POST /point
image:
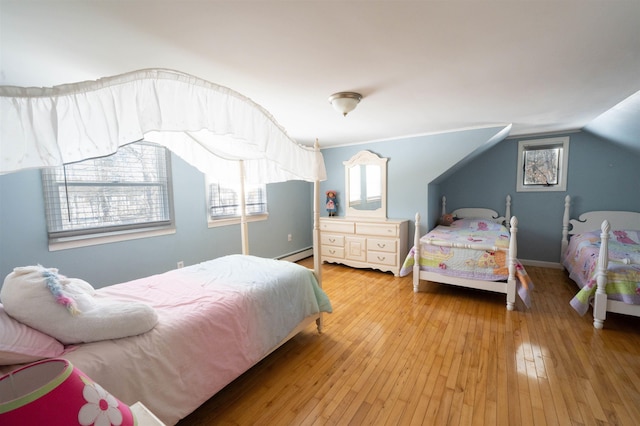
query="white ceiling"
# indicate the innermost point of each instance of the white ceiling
(423, 67)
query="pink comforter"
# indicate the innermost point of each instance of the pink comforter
(216, 320)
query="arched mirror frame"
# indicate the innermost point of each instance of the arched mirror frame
(366, 158)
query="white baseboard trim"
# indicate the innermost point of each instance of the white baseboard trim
(542, 264)
(299, 255)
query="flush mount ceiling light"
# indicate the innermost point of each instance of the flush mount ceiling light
(345, 102)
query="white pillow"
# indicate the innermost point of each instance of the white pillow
(68, 309)
(20, 343)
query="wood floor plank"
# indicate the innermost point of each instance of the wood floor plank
(443, 356)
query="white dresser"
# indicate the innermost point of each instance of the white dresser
(364, 242)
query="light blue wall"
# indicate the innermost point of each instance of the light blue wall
(602, 176)
(23, 235)
(412, 163)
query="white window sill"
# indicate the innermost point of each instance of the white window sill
(106, 238)
(236, 220)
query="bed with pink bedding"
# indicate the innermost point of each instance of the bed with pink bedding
(601, 252)
(477, 250)
(216, 319)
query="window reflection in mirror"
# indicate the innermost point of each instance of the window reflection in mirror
(366, 185)
(354, 186)
(365, 193)
(373, 186)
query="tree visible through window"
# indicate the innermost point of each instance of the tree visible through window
(128, 190)
(224, 200)
(542, 164)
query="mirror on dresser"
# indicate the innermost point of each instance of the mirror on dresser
(365, 237)
(366, 185)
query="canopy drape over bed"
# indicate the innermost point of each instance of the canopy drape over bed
(209, 126)
(219, 131)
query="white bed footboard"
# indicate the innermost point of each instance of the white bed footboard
(600, 301)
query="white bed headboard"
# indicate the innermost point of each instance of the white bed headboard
(592, 221)
(481, 213)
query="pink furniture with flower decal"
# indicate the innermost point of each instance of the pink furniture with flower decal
(55, 393)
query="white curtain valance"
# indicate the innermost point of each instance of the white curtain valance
(209, 126)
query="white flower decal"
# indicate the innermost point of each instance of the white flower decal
(101, 408)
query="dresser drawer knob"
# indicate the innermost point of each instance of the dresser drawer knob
(382, 245)
(332, 240)
(381, 258)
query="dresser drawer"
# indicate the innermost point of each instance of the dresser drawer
(332, 240)
(381, 258)
(332, 251)
(381, 229)
(382, 244)
(337, 226)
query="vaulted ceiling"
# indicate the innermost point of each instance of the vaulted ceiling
(423, 67)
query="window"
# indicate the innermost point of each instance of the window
(124, 193)
(542, 164)
(224, 202)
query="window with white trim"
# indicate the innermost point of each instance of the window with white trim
(542, 164)
(124, 193)
(224, 202)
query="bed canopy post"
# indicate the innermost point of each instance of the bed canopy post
(507, 211)
(600, 301)
(416, 253)
(244, 228)
(317, 259)
(444, 205)
(513, 254)
(565, 226)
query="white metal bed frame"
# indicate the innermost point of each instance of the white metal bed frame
(605, 220)
(508, 287)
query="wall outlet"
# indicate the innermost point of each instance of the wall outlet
(289, 237)
(180, 264)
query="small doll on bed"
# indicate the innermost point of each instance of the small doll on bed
(332, 203)
(447, 219)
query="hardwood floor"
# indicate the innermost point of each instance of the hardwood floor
(444, 356)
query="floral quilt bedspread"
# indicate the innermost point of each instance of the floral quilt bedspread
(488, 263)
(623, 281)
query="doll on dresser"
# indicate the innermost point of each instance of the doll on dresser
(332, 203)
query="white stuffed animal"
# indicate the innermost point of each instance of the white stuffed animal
(68, 309)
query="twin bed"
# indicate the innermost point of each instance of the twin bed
(476, 250)
(602, 256)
